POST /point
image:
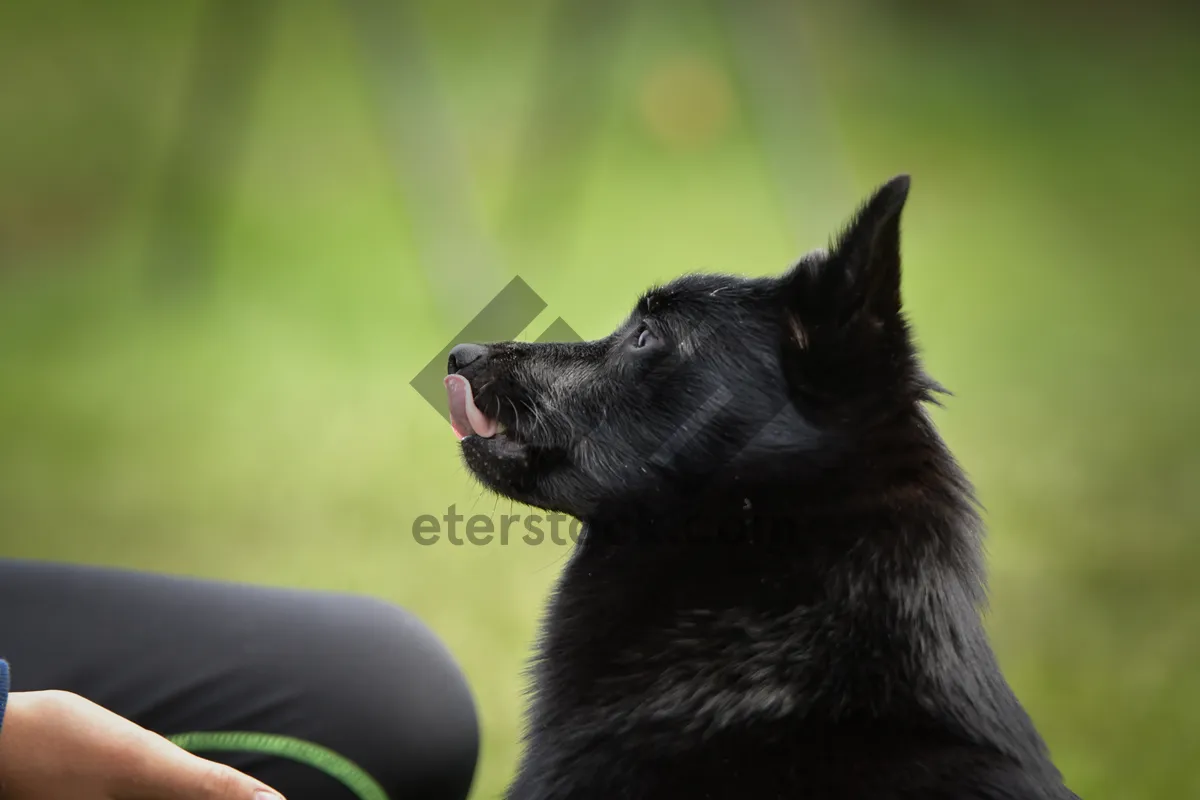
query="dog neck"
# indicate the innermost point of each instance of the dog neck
(816, 607)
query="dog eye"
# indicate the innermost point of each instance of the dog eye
(645, 337)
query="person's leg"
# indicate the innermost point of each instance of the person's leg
(336, 690)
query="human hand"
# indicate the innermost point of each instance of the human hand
(58, 746)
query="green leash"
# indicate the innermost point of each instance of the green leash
(338, 767)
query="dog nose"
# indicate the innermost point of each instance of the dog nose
(463, 355)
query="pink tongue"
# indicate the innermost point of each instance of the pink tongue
(465, 417)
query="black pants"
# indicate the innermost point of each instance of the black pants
(326, 696)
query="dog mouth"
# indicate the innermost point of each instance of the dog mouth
(503, 459)
(466, 418)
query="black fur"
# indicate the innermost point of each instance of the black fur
(777, 592)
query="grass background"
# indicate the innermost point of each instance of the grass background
(253, 421)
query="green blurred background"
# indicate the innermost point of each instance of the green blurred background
(232, 232)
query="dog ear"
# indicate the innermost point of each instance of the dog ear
(868, 252)
(858, 278)
(861, 271)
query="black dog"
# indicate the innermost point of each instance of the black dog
(777, 590)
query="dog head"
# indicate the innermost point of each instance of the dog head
(713, 381)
